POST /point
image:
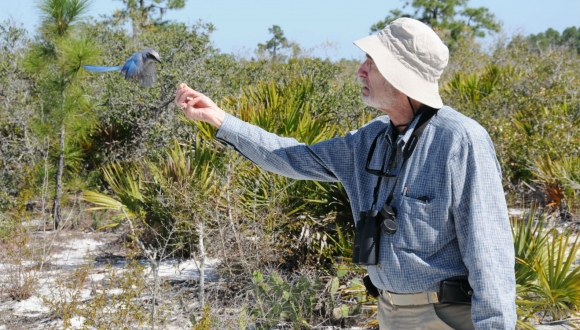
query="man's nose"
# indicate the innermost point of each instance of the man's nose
(362, 71)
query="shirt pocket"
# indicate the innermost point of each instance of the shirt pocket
(423, 225)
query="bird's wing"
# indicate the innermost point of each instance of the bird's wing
(148, 75)
(96, 68)
(133, 66)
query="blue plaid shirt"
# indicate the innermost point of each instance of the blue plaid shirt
(451, 210)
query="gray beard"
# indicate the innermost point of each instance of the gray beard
(377, 104)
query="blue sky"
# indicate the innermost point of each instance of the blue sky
(242, 24)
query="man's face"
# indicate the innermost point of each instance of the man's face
(376, 92)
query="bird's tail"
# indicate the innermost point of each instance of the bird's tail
(96, 68)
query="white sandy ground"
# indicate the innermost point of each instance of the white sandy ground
(72, 254)
(75, 252)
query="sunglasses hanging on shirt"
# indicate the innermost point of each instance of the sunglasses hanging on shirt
(367, 235)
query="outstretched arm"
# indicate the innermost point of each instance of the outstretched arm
(281, 155)
(197, 106)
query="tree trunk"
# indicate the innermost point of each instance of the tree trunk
(56, 209)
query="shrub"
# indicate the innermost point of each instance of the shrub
(547, 279)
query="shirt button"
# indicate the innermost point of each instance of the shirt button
(380, 266)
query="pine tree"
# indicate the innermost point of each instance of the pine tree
(54, 62)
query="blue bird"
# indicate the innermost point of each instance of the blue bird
(139, 67)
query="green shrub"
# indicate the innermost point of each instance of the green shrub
(281, 302)
(166, 196)
(548, 282)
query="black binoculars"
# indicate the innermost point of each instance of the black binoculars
(368, 234)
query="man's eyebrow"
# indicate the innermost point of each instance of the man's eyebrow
(369, 57)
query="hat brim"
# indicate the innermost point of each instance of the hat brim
(397, 74)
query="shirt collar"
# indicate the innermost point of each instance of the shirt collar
(402, 139)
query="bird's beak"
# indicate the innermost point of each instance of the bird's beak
(158, 60)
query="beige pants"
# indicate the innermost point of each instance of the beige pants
(428, 317)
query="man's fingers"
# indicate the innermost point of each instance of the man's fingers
(188, 102)
(189, 95)
(192, 100)
(179, 99)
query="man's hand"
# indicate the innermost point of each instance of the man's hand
(197, 106)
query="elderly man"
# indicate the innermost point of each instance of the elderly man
(433, 229)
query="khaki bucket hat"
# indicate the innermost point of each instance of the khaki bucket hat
(411, 57)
